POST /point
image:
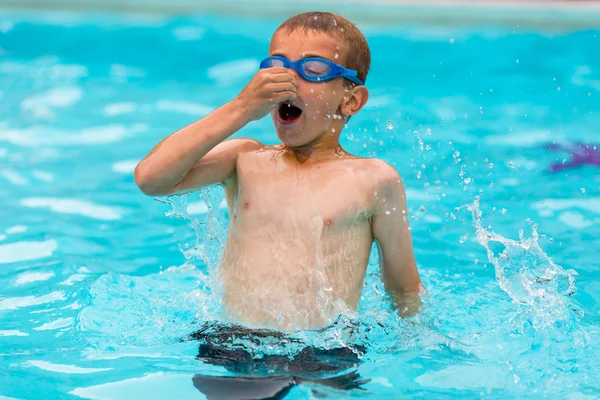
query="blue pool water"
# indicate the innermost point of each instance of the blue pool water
(98, 285)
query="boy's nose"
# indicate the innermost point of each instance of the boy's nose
(295, 74)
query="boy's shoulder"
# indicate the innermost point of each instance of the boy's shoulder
(376, 168)
(371, 175)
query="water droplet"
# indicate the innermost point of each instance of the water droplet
(387, 212)
(422, 209)
(504, 211)
(517, 60)
(451, 40)
(476, 261)
(336, 56)
(582, 190)
(464, 238)
(389, 127)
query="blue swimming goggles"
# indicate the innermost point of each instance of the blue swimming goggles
(313, 69)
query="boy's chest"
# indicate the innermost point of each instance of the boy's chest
(271, 194)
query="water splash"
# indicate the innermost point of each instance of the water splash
(539, 334)
(130, 313)
(209, 232)
(139, 313)
(526, 273)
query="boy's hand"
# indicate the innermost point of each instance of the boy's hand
(267, 88)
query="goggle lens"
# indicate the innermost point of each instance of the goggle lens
(315, 68)
(275, 63)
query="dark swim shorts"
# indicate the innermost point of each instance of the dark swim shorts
(270, 376)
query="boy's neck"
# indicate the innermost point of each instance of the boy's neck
(324, 147)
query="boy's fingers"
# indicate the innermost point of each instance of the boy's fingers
(283, 86)
(276, 69)
(285, 76)
(283, 96)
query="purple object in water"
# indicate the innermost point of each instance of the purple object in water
(581, 154)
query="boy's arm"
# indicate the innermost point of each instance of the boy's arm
(194, 156)
(391, 230)
(198, 154)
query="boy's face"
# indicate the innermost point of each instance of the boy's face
(319, 101)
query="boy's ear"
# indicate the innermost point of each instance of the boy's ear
(355, 99)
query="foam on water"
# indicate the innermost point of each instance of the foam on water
(184, 107)
(185, 33)
(43, 176)
(44, 69)
(550, 205)
(116, 109)
(62, 368)
(26, 250)
(13, 303)
(47, 136)
(42, 104)
(125, 166)
(75, 206)
(16, 229)
(576, 220)
(14, 177)
(29, 277)
(57, 324)
(13, 333)
(123, 73)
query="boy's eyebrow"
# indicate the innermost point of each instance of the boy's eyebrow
(305, 55)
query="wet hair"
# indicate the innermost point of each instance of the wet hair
(358, 56)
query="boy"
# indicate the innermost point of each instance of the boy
(303, 214)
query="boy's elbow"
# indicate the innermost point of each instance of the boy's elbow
(147, 182)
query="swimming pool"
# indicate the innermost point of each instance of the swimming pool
(98, 286)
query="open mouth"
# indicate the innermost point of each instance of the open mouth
(288, 113)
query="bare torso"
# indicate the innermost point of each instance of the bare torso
(299, 239)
